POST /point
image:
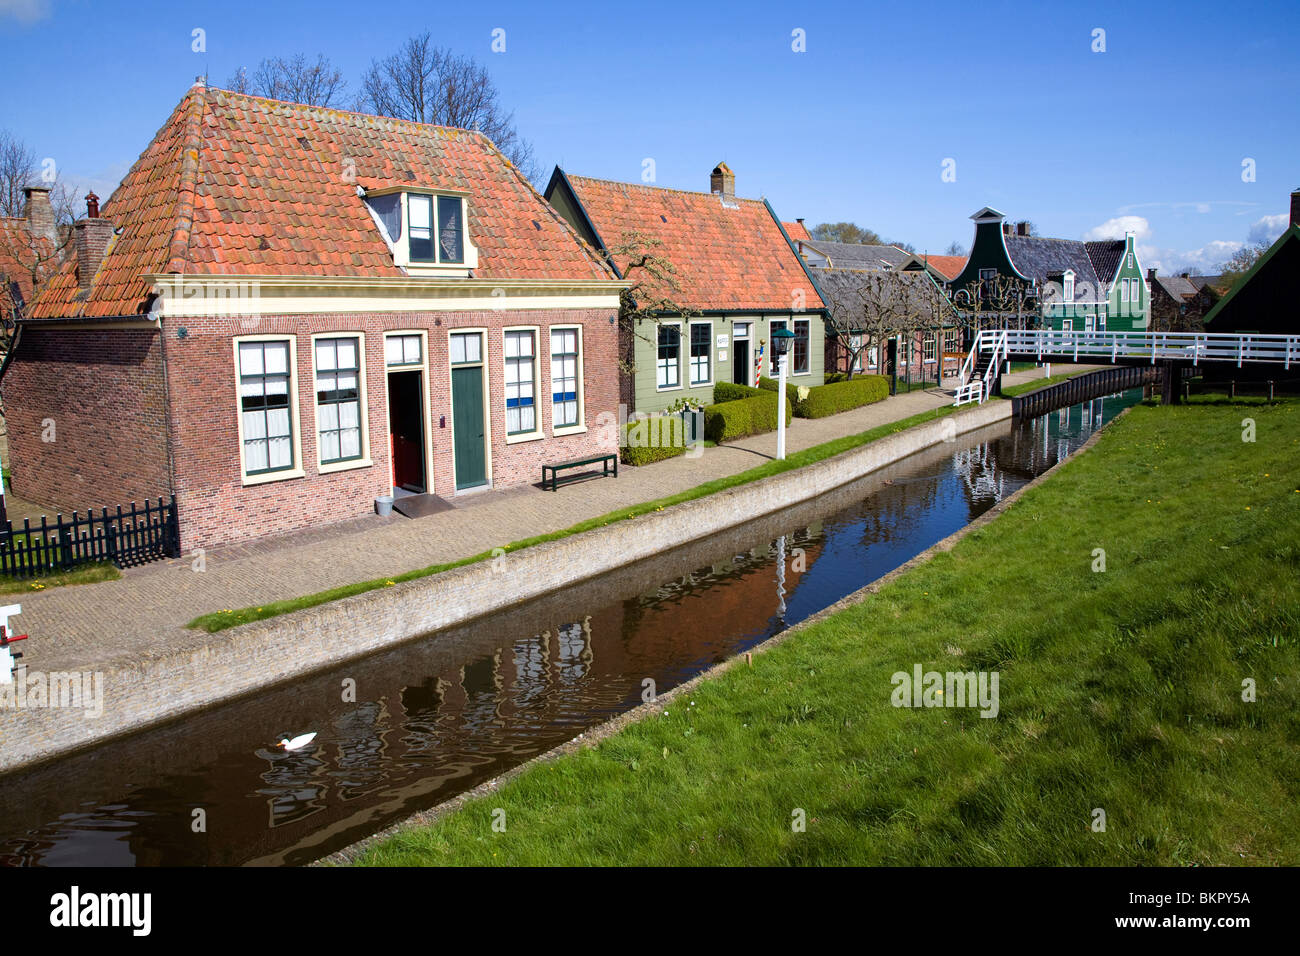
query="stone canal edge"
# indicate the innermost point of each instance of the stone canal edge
(595, 735)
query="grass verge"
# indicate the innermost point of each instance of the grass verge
(220, 620)
(1121, 690)
(1011, 391)
(88, 574)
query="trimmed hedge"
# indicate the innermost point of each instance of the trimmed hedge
(742, 417)
(839, 397)
(652, 439)
(730, 392)
(771, 385)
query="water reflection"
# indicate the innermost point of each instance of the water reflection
(437, 716)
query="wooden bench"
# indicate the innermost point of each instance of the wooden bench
(603, 460)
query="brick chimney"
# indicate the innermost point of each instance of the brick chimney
(1151, 275)
(1295, 208)
(1006, 229)
(1022, 228)
(92, 235)
(723, 181)
(39, 213)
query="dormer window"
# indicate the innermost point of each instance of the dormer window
(441, 241)
(1069, 287)
(425, 231)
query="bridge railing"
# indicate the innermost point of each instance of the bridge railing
(1192, 347)
(1082, 388)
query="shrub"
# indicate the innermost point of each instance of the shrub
(771, 384)
(729, 392)
(742, 417)
(652, 439)
(839, 397)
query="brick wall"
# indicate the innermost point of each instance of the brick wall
(99, 394)
(217, 507)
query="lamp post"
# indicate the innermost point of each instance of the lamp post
(781, 340)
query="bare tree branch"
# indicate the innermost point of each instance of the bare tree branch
(293, 79)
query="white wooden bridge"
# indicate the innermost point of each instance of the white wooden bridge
(995, 347)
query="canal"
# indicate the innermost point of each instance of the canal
(405, 729)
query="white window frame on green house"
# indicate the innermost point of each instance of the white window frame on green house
(558, 398)
(693, 360)
(522, 390)
(331, 421)
(807, 354)
(1067, 325)
(661, 365)
(1067, 283)
(772, 326)
(251, 380)
(1123, 291)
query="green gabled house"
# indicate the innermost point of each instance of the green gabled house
(1072, 285)
(738, 279)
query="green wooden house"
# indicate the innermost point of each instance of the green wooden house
(1073, 285)
(738, 279)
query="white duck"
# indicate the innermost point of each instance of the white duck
(297, 743)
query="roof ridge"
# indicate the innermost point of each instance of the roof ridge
(325, 110)
(662, 189)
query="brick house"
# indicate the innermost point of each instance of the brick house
(287, 311)
(1180, 303)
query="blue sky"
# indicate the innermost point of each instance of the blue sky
(1150, 134)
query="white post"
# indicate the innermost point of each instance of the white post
(6, 656)
(780, 409)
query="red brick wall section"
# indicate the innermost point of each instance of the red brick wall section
(103, 392)
(217, 507)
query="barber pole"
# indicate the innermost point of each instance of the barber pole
(7, 657)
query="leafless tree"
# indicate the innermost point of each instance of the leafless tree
(1002, 302)
(869, 307)
(294, 79)
(431, 84)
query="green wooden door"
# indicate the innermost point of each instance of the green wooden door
(467, 425)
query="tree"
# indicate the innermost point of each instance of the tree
(869, 307)
(651, 296)
(846, 232)
(1242, 261)
(431, 84)
(955, 249)
(905, 246)
(27, 259)
(1000, 302)
(293, 79)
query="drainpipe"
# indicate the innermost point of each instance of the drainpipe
(167, 414)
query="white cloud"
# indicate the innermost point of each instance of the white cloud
(1203, 261)
(1119, 226)
(1267, 228)
(25, 11)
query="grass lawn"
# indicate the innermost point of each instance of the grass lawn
(231, 617)
(1119, 689)
(87, 574)
(1011, 391)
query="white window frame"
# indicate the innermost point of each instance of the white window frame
(1067, 283)
(659, 328)
(929, 347)
(793, 325)
(426, 405)
(771, 344)
(690, 358)
(1067, 325)
(362, 411)
(536, 431)
(295, 425)
(1123, 291)
(433, 199)
(581, 426)
(856, 352)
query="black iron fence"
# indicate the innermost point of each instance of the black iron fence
(124, 537)
(1083, 388)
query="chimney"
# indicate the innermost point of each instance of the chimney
(723, 181)
(1151, 275)
(1295, 208)
(39, 213)
(1022, 228)
(1006, 229)
(1187, 275)
(92, 235)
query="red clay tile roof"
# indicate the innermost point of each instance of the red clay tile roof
(796, 231)
(240, 185)
(950, 266)
(729, 259)
(23, 255)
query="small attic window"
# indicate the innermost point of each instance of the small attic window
(663, 217)
(442, 241)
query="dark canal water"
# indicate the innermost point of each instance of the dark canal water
(439, 715)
